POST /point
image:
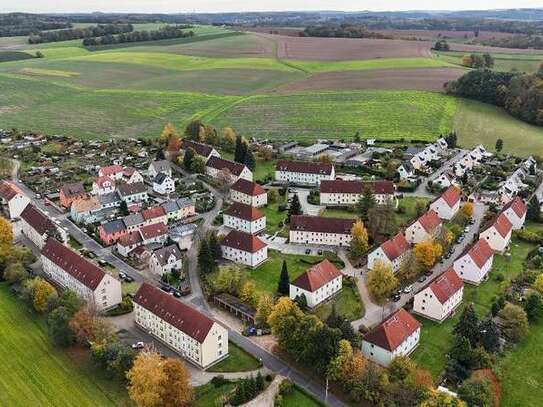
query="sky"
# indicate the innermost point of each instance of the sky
(185, 6)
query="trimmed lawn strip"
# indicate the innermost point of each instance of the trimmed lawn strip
(299, 398)
(207, 395)
(348, 304)
(237, 361)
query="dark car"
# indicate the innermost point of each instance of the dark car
(422, 279)
(307, 251)
(396, 297)
(129, 279)
(165, 288)
(177, 293)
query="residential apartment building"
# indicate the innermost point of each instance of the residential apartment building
(249, 193)
(348, 193)
(13, 199)
(244, 248)
(318, 284)
(37, 227)
(217, 165)
(163, 184)
(245, 218)
(475, 263)
(133, 193)
(393, 252)
(427, 227)
(447, 205)
(319, 230)
(201, 149)
(166, 259)
(303, 172)
(498, 234)
(515, 211)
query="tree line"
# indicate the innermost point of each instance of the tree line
(342, 31)
(163, 33)
(516, 41)
(521, 95)
(16, 24)
(78, 33)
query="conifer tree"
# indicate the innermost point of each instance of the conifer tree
(284, 280)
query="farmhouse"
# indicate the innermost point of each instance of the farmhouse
(320, 231)
(440, 297)
(498, 234)
(448, 204)
(187, 331)
(157, 167)
(393, 252)
(68, 269)
(398, 335)
(201, 149)
(347, 193)
(70, 193)
(103, 185)
(132, 193)
(317, 284)
(474, 264)
(215, 165)
(303, 172)
(166, 259)
(244, 248)
(112, 231)
(245, 218)
(37, 227)
(424, 228)
(13, 199)
(163, 184)
(115, 172)
(515, 211)
(249, 193)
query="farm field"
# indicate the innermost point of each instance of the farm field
(35, 373)
(502, 62)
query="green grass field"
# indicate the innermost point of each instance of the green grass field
(208, 395)
(299, 398)
(502, 62)
(348, 304)
(237, 361)
(34, 373)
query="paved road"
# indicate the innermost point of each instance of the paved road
(303, 194)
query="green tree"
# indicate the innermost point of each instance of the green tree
(58, 327)
(489, 335)
(249, 160)
(366, 202)
(295, 207)
(410, 268)
(15, 273)
(240, 150)
(214, 246)
(382, 221)
(499, 145)
(533, 306)
(263, 310)
(123, 208)
(206, 263)
(468, 325)
(533, 211)
(283, 286)
(381, 281)
(198, 165)
(476, 392)
(514, 322)
(188, 157)
(401, 368)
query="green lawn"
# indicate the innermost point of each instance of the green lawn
(237, 361)
(264, 169)
(338, 213)
(502, 62)
(362, 65)
(409, 203)
(348, 304)
(299, 398)
(207, 395)
(35, 373)
(274, 217)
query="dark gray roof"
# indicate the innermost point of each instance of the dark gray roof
(184, 202)
(170, 206)
(133, 219)
(131, 189)
(164, 253)
(109, 198)
(160, 178)
(114, 226)
(161, 165)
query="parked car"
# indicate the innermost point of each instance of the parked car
(396, 297)
(320, 252)
(165, 288)
(176, 293)
(138, 345)
(466, 229)
(408, 289)
(129, 279)
(460, 239)
(307, 251)
(422, 279)
(122, 275)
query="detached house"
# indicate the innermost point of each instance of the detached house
(129, 242)
(249, 193)
(201, 149)
(13, 199)
(114, 172)
(163, 184)
(406, 171)
(134, 221)
(112, 231)
(498, 234)
(103, 185)
(475, 263)
(191, 334)
(320, 230)
(37, 227)
(303, 172)
(440, 297)
(515, 211)
(393, 252)
(132, 176)
(347, 193)
(166, 259)
(157, 167)
(448, 204)
(216, 165)
(70, 193)
(133, 193)
(398, 335)
(244, 248)
(317, 284)
(245, 218)
(424, 228)
(68, 269)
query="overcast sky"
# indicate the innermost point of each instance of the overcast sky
(181, 6)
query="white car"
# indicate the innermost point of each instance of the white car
(408, 289)
(138, 345)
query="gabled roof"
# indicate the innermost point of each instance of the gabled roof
(110, 170)
(243, 211)
(110, 198)
(100, 181)
(161, 178)
(73, 189)
(37, 220)
(8, 190)
(174, 312)
(304, 223)
(84, 205)
(429, 221)
(356, 187)
(130, 239)
(114, 226)
(446, 285)
(305, 167)
(129, 171)
(133, 219)
(243, 241)
(220, 164)
(502, 225)
(248, 187)
(199, 148)
(72, 263)
(152, 213)
(126, 189)
(517, 205)
(394, 331)
(161, 166)
(184, 202)
(480, 252)
(395, 247)
(451, 196)
(154, 230)
(317, 276)
(163, 254)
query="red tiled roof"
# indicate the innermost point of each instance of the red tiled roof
(305, 167)
(129, 171)
(74, 189)
(8, 190)
(243, 241)
(154, 230)
(451, 196)
(480, 252)
(101, 180)
(200, 149)
(518, 206)
(394, 331)
(174, 312)
(248, 187)
(429, 221)
(317, 276)
(446, 285)
(37, 220)
(502, 225)
(130, 239)
(356, 187)
(154, 212)
(220, 164)
(304, 223)
(395, 247)
(243, 211)
(77, 266)
(110, 170)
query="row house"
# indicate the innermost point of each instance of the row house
(129, 242)
(155, 233)
(515, 211)
(133, 193)
(347, 193)
(244, 248)
(445, 180)
(13, 199)
(37, 227)
(163, 184)
(166, 259)
(245, 218)
(158, 167)
(86, 211)
(448, 204)
(427, 227)
(103, 185)
(216, 165)
(498, 234)
(197, 338)
(178, 209)
(303, 172)
(249, 193)
(134, 221)
(392, 252)
(68, 269)
(320, 230)
(474, 264)
(513, 185)
(398, 335)
(111, 200)
(156, 214)
(110, 232)
(203, 150)
(318, 284)
(69, 193)
(440, 298)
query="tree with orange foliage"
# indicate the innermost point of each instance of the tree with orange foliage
(42, 291)
(168, 133)
(176, 391)
(146, 379)
(6, 232)
(82, 325)
(427, 253)
(467, 210)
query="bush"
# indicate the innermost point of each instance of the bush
(286, 387)
(218, 381)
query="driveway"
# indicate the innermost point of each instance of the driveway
(307, 208)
